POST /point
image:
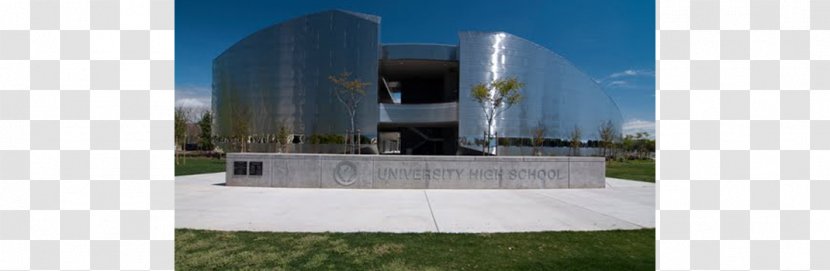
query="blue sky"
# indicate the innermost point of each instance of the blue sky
(611, 41)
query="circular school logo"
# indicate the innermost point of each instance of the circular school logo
(345, 173)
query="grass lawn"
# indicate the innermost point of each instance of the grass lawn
(599, 250)
(640, 170)
(199, 165)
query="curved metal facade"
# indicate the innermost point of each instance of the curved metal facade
(556, 94)
(280, 74)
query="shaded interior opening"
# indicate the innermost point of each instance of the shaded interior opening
(418, 81)
(419, 140)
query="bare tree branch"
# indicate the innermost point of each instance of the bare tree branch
(495, 98)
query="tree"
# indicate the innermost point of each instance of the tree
(206, 137)
(349, 92)
(284, 134)
(538, 138)
(606, 134)
(496, 97)
(617, 147)
(240, 125)
(576, 140)
(643, 145)
(180, 130)
(629, 145)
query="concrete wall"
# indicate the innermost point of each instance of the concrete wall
(418, 172)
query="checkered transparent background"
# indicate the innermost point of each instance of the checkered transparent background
(86, 151)
(743, 134)
(86, 99)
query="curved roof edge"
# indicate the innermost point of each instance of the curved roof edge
(564, 59)
(368, 17)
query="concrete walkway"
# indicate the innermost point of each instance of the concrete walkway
(203, 202)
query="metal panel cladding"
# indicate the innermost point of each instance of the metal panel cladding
(278, 76)
(556, 94)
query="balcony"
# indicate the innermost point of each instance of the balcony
(419, 114)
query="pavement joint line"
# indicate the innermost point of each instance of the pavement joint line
(589, 210)
(201, 194)
(432, 214)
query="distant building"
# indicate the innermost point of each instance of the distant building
(418, 100)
